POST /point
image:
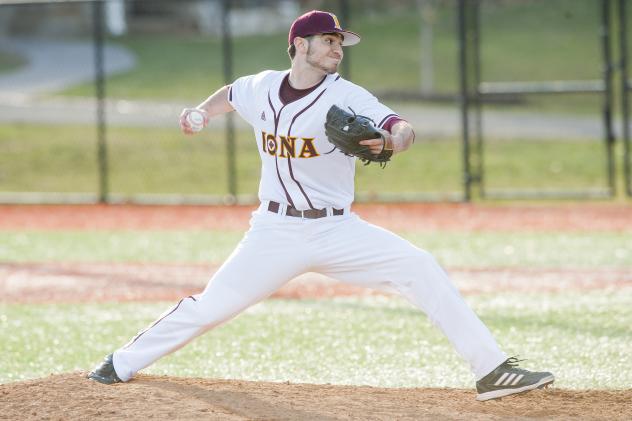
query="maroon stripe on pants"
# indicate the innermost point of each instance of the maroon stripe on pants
(156, 322)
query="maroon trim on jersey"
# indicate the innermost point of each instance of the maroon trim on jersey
(337, 78)
(287, 93)
(391, 122)
(230, 93)
(385, 119)
(289, 161)
(388, 126)
(277, 117)
(156, 322)
(276, 160)
(289, 164)
(303, 110)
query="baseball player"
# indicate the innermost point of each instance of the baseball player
(304, 222)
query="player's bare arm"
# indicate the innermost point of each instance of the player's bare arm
(214, 105)
(398, 140)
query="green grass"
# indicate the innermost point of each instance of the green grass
(535, 40)
(453, 249)
(10, 61)
(583, 338)
(47, 158)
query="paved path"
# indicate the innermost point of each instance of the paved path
(55, 65)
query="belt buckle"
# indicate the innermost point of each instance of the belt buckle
(303, 215)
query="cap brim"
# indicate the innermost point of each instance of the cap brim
(350, 38)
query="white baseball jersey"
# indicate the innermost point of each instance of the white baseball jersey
(300, 166)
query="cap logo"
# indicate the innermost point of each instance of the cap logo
(336, 23)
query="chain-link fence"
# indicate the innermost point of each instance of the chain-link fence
(91, 91)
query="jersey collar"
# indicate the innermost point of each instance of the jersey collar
(276, 87)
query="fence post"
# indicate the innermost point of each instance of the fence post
(464, 97)
(99, 81)
(625, 101)
(475, 22)
(609, 137)
(230, 123)
(345, 14)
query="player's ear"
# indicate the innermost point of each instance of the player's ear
(301, 45)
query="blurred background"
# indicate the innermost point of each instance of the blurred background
(509, 98)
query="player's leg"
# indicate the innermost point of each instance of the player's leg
(368, 255)
(262, 262)
(361, 253)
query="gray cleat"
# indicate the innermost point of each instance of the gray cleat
(508, 379)
(104, 372)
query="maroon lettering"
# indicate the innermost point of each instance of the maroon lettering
(308, 150)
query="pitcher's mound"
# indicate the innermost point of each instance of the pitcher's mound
(72, 396)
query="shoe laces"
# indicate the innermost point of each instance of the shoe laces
(512, 364)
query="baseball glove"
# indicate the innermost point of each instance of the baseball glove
(346, 130)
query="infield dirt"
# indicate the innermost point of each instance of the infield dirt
(403, 216)
(73, 397)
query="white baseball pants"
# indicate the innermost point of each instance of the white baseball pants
(277, 248)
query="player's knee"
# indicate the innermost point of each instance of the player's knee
(422, 260)
(210, 314)
(196, 311)
(191, 305)
(423, 266)
(412, 266)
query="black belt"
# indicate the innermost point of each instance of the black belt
(309, 213)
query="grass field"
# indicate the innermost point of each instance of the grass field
(453, 249)
(379, 341)
(62, 158)
(527, 41)
(518, 39)
(583, 336)
(382, 341)
(563, 34)
(10, 61)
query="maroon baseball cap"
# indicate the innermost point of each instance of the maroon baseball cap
(318, 22)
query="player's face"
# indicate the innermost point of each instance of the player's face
(325, 52)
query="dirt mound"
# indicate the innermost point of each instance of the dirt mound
(401, 216)
(71, 396)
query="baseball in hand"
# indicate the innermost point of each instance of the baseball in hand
(196, 120)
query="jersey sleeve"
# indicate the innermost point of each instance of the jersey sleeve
(241, 94)
(364, 103)
(244, 92)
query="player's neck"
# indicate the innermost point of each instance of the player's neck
(304, 77)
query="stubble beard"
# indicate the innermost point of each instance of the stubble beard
(327, 69)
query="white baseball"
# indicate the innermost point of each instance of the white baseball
(195, 120)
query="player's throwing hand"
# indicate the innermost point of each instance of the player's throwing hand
(192, 120)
